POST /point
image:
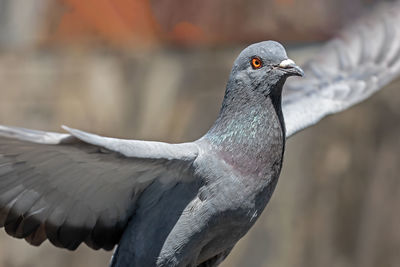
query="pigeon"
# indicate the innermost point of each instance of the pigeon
(188, 204)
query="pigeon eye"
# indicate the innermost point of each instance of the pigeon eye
(256, 63)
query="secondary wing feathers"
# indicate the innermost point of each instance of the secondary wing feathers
(75, 191)
(137, 148)
(128, 148)
(350, 68)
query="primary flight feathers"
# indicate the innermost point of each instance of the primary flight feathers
(363, 59)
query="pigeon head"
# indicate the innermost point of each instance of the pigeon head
(255, 82)
(262, 67)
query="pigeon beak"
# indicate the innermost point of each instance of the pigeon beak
(291, 68)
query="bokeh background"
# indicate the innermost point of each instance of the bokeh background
(156, 70)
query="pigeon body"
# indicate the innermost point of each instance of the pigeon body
(234, 174)
(188, 204)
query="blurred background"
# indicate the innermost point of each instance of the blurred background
(156, 70)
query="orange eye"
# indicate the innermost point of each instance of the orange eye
(256, 63)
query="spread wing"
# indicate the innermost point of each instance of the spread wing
(79, 187)
(348, 70)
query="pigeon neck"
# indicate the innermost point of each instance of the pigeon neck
(246, 107)
(249, 129)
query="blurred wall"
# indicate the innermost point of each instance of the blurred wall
(22, 22)
(131, 23)
(62, 63)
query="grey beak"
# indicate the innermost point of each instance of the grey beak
(291, 68)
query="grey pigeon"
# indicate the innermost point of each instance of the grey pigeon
(187, 204)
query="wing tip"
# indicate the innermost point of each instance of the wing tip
(69, 129)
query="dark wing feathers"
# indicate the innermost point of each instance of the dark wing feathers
(70, 193)
(350, 68)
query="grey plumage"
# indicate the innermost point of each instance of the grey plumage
(180, 204)
(242, 152)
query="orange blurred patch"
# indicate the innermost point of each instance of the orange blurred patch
(187, 34)
(71, 26)
(117, 21)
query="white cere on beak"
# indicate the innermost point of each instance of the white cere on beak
(287, 63)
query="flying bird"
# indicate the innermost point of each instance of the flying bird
(188, 204)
